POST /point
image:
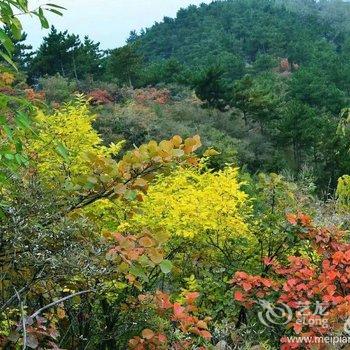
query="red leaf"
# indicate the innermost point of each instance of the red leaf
(292, 219)
(178, 311)
(305, 219)
(191, 297)
(246, 286)
(338, 256)
(297, 327)
(266, 282)
(162, 338)
(239, 296)
(206, 335)
(163, 300)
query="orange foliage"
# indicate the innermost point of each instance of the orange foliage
(100, 97)
(304, 283)
(181, 314)
(160, 96)
(32, 95)
(252, 285)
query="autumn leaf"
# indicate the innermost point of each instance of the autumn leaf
(201, 324)
(177, 141)
(246, 286)
(206, 335)
(239, 296)
(147, 334)
(178, 310)
(210, 152)
(61, 313)
(146, 242)
(162, 338)
(292, 219)
(155, 255)
(297, 327)
(191, 297)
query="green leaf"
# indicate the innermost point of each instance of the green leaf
(56, 6)
(8, 59)
(130, 195)
(22, 120)
(2, 214)
(6, 42)
(145, 261)
(3, 120)
(18, 159)
(92, 179)
(62, 151)
(9, 156)
(44, 22)
(8, 132)
(3, 179)
(138, 272)
(23, 160)
(16, 28)
(166, 266)
(55, 12)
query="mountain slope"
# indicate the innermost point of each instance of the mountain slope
(243, 30)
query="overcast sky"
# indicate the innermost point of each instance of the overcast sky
(106, 21)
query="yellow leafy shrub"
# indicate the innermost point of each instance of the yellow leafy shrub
(107, 214)
(6, 79)
(66, 142)
(189, 203)
(343, 191)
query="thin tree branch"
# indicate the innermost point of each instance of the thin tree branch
(38, 312)
(9, 301)
(23, 321)
(36, 276)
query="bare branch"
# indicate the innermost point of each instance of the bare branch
(38, 312)
(23, 289)
(23, 321)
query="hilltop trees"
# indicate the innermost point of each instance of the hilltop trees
(210, 88)
(56, 54)
(65, 54)
(246, 29)
(124, 64)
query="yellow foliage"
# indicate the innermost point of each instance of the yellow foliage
(105, 213)
(66, 143)
(343, 191)
(189, 203)
(6, 79)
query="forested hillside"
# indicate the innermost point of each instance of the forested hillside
(262, 63)
(241, 31)
(189, 190)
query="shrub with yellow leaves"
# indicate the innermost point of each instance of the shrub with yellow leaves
(190, 202)
(6, 78)
(343, 191)
(65, 143)
(66, 202)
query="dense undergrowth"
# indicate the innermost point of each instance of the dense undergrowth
(231, 233)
